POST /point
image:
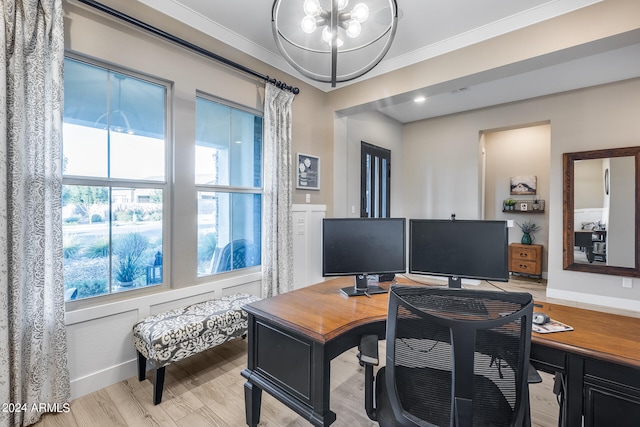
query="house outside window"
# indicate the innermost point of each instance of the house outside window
(228, 177)
(114, 179)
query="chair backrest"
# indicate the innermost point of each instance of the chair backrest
(457, 356)
(236, 254)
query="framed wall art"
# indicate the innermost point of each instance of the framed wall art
(523, 185)
(308, 172)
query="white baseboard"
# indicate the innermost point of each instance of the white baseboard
(619, 303)
(98, 380)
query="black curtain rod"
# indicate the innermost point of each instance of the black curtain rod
(188, 45)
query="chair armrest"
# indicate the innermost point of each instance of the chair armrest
(368, 350)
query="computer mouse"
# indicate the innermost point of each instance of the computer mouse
(540, 318)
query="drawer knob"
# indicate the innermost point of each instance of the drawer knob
(523, 254)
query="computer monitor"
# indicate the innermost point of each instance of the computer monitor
(363, 246)
(470, 249)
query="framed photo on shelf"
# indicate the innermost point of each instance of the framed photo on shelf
(524, 206)
(308, 172)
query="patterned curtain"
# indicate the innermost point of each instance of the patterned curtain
(34, 375)
(277, 240)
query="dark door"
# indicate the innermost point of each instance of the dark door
(375, 181)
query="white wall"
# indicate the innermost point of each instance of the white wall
(590, 193)
(620, 248)
(441, 168)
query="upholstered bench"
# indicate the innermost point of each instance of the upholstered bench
(176, 334)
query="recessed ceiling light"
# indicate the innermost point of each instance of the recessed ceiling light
(419, 99)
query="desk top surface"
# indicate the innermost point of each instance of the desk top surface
(322, 313)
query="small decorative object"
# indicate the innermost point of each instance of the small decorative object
(509, 204)
(524, 207)
(308, 177)
(536, 205)
(528, 227)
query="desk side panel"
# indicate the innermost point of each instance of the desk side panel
(612, 394)
(284, 359)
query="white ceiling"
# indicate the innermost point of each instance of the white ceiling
(429, 28)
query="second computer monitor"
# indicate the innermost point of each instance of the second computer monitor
(470, 249)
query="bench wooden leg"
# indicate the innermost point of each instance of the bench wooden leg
(158, 383)
(142, 367)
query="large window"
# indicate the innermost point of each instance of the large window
(228, 176)
(114, 180)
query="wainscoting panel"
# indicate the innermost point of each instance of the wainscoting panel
(307, 240)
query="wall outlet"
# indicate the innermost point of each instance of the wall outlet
(627, 282)
(353, 209)
(308, 198)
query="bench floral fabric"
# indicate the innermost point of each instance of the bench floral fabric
(171, 336)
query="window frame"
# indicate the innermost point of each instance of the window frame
(108, 182)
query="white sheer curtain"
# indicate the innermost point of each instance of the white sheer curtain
(33, 345)
(277, 240)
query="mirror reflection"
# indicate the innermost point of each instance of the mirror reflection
(604, 218)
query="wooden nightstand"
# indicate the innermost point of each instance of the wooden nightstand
(525, 259)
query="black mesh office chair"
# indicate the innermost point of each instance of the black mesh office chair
(454, 357)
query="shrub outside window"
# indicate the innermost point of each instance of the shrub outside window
(114, 183)
(228, 176)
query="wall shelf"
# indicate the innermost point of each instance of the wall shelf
(524, 206)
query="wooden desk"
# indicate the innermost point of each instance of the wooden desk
(600, 361)
(293, 337)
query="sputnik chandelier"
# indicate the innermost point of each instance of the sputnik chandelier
(331, 41)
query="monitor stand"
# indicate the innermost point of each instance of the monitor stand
(361, 287)
(455, 282)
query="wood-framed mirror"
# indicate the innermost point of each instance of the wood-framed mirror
(601, 216)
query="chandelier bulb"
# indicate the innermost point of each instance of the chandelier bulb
(353, 28)
(308, 24)
(342, 4)
(360, 12)
(327, 36)
(311, 7)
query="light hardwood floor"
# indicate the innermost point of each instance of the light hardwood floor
(207, 390)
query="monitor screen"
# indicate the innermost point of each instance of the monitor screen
(470, 249)
(354, 246)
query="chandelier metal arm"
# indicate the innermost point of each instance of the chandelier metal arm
(334, 41)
